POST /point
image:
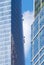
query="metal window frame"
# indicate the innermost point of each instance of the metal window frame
(42, 62)
(39, 59)
(37, 53)
(38, 33)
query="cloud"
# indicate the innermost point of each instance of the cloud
(28, 18)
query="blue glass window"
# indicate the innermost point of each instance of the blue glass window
(42, 38)
(42, 18)
(5, 4)
(5, 22)
(41, 22)
(42, 51)
(42, 58)
(41, 13)
(35, 45)
(5, 13)
(32, 47)
(4, 0)
(32, 32)
(5, 17)
(37, 63)
(42, 63)
(36, 26)
(36, 59)
(5, 9)
(32, 63)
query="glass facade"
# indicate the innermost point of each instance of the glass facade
(37, 39)
(11, 37)
(38, 6)
(5, 32)
(17, 33)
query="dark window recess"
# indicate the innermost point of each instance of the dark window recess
(42, 0)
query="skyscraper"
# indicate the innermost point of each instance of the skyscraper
(11, 34)
(37, 36)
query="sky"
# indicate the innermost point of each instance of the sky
(27, 5)
(28, 18)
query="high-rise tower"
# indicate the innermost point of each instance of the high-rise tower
(37, 35)
(11, 34)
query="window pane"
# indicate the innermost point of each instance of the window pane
(35, 26)
(35, 45)
(42, 38)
